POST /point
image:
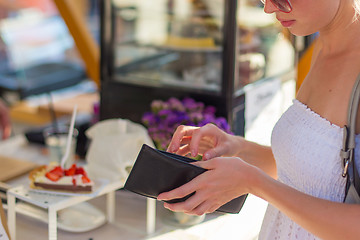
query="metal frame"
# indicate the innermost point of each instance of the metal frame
(88, 48)
(116, 97)
(54, 203)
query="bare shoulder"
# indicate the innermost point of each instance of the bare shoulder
(328, 85)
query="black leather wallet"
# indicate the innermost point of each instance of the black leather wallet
(157, 171)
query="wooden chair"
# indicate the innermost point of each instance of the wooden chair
(3, 220)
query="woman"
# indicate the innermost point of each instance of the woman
(300, 175)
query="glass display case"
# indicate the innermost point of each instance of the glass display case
(37, 51)
(204, 49)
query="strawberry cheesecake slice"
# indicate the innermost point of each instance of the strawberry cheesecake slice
(54, 177)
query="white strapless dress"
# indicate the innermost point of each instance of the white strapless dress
(307, 151)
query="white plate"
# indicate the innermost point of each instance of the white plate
(78, 218)
(99, 184)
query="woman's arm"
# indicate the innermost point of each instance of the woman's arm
(230, 177)
(325, 219)
(258, 155)
(211, 142)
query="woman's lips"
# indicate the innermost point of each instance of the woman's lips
(287, 23)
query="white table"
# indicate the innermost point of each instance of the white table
(18, 147)
(130, 220)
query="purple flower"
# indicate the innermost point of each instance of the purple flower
(149, 119)
(164, 113)
(222, 123)
(190, 104)
(210, 110)
(176, 104)
(165, 117)
(196, 116)
(158, 105)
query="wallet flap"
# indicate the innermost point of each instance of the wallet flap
(178, 157)
(155, 172)
(158, 171)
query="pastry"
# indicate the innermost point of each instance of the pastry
(54, 177)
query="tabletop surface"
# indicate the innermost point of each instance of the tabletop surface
(130, 212)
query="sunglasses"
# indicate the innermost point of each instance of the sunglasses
(282, 5)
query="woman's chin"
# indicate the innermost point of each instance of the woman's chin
(299, 33)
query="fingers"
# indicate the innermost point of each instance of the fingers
(176, 193)
(185, 149)
(188, 135)
(212, 189)
(184, 190)
(188, 206)
(198, 204)
(195, 205)
(208, 137)
(205, 141)
(204, 207)
(197, 137)
(180, 136)
(206, 164)
(213, 152)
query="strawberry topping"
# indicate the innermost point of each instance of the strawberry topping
(52, 176)
(71, 171)
(56, 173)
(85, 179)
(74, 181)
(81, 171)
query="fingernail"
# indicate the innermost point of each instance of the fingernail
(193, 153)
(206, 155)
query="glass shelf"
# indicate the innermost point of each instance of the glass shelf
(265, 48)
(178, 45)
(209, 50)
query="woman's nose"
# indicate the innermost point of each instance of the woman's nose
(269, 7)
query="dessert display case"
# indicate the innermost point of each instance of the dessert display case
(205, 49)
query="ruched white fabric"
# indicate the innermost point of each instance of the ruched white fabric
(306, 147)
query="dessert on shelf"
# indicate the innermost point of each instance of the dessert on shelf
(54, 177)
(196, 28)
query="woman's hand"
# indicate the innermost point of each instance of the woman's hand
(208, 141)
(226, 179)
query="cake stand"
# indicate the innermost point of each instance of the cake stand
(55, 202)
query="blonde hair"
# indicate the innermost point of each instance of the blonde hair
(357, 9)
